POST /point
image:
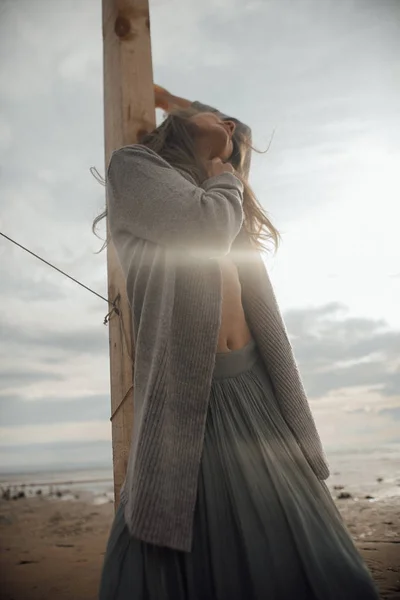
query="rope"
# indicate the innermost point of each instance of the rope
(124, 338)
(114, 310)
(56, 268)
(121, 403)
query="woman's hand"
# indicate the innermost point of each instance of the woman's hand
(217, 167)
(163, 99)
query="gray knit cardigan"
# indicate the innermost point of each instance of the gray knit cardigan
(169, 233)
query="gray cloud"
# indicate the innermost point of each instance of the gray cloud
(69, 342)
(21, 376)
(17, 411)
(26, 287)
(325, 340)
(364, 374)
(393, 413)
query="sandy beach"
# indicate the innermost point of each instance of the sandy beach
(53, 548)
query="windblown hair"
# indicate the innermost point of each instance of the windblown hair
(174, 141)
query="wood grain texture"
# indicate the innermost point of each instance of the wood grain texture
(128, 109)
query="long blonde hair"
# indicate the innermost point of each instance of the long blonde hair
(174, 141)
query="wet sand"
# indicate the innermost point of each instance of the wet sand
(53, 548)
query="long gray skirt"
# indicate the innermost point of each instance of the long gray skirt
(265, 527)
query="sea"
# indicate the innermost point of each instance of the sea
(84, 483)
(373, 473)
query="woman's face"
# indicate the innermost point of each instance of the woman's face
(214, 138)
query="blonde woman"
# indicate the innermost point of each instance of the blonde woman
(224, 496)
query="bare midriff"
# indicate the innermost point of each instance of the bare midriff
(234, 332)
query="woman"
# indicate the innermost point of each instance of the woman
(223, 497)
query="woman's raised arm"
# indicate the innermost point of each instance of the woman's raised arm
(149, 199)
(169, 103)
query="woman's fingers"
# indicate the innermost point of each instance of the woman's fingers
(160, 90)
(217, 167)
(161, 97)
(168, 102)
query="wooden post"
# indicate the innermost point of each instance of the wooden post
(128, 109)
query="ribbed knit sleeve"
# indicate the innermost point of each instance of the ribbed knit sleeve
(149, 199)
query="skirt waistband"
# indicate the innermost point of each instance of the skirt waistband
(231, 364)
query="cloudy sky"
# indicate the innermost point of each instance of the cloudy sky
(325, 76)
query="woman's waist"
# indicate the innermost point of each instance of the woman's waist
(234, 362)
(233, 334)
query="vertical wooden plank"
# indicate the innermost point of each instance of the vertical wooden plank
(128, 109)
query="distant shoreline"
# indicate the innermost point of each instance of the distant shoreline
(59, 483)
(356, 478)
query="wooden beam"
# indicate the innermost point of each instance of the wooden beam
(128, 109)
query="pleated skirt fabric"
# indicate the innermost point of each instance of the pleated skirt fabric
(265, 528)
